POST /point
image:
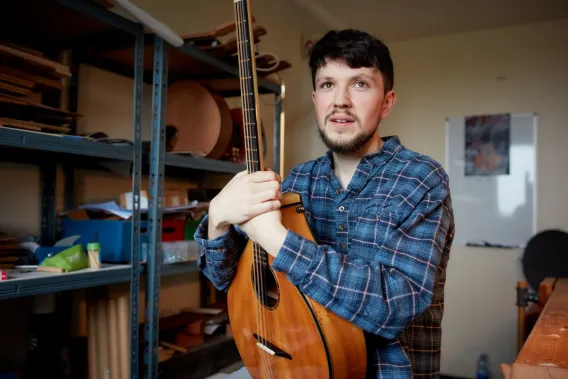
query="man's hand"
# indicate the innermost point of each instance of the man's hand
(244, 197)
(266, 230)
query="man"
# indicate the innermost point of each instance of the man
(380, 213)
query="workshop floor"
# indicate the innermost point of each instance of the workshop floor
(234, 371)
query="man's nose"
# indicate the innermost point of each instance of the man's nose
(342, 99)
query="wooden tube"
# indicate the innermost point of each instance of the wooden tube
(92, 338)
(102, 338)
(113, 337)
(124, 334)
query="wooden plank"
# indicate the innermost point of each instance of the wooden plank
(219, 31)
(30, 77)
(57, 69)
(547, 343)
(15, 80)
(32, 125)
(20, 101)
(14, 89)
(231, 44)
(545, 289)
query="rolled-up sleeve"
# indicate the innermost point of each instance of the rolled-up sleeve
(218, 257)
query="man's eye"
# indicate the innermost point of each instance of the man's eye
(325, 85)
(361, 84)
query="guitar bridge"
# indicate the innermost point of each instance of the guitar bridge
(271, 348)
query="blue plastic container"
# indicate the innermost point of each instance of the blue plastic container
(115, 236)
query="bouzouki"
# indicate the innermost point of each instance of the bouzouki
(280, 332)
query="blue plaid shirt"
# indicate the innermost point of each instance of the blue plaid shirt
(381, 257)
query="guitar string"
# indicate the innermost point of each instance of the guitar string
(262, 258)
(261, 255)
(250, 163)
(253, 142)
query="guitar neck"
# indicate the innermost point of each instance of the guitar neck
(249, 87)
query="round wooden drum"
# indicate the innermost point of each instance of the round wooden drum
(202, 117)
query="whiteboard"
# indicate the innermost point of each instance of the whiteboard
(497, 208)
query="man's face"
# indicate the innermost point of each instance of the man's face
(349, 105)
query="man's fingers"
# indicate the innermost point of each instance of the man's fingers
(270, 194)
(264, 176)
(264, 207)
(271, 205)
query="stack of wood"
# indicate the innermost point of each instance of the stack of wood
(222, 43)
(11, 253)
(26, 76)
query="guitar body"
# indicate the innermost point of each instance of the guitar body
(288, 335)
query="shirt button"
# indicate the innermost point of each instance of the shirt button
(341, 227)
(337, 191)
(341, 208)
(342, 245)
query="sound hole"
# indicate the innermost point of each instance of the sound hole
(265, 285)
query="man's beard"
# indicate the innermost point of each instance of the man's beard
(346, 147)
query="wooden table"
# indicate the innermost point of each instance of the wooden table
(545, 352)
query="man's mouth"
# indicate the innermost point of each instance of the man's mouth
(341, 119)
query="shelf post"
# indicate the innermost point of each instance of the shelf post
(68, 100)
(48, 175)
(154, 255)
(136, 186)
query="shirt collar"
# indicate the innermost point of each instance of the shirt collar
(366, 167)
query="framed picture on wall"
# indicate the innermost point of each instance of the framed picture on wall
(487, 144)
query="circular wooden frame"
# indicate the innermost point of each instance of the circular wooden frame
(202, 118)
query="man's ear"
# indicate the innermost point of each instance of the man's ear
(314, 96)
(388, 104)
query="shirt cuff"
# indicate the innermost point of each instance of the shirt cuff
(216, 248)
(296, 257)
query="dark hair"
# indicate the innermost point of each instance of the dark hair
(357, 49)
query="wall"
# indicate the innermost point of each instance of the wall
(516, 69)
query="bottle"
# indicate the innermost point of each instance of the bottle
(482, 367)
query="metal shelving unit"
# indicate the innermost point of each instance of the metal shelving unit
(88, 30)
(36, 283)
